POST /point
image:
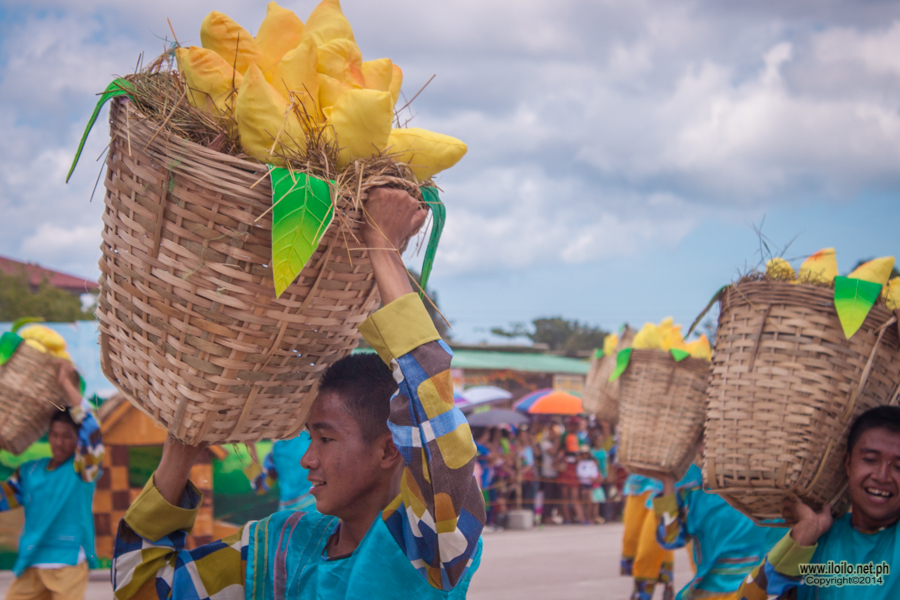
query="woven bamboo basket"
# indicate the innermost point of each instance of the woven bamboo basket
(191, 331)
(29, 395)
(662, 406)
(786, 385)
(601, 396)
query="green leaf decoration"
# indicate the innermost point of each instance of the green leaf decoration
(439, 216)
(302, 213)
(9, 343)
(598, 353)
(679, 355)
(622, 360)
(853, 299)
(22, 321)
(82, 385)
(119, 87)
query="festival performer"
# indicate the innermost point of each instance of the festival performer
(867, 534)
(642, 556)
(392, 474)
(57, 543)
(282, 465)
(724, 544)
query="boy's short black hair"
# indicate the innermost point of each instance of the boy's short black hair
(883, 417)
(366, 385)
(63, 416)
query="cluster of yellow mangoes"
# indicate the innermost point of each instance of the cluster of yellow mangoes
(664, 336)
(822, 268)
(43, 339)
(292, 78)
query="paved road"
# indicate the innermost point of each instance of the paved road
(554, 563)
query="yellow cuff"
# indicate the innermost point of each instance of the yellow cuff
(399, 328)
(787, 556)
(665, 505)
(152, 518)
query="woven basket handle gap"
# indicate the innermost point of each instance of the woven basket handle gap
(868, 369)
(759, 334)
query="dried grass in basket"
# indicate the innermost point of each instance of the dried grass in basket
(29, 396)
(662, 406)
(786, 385)
(191, 330)
(601, 396)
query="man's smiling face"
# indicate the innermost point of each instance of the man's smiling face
(873, 468)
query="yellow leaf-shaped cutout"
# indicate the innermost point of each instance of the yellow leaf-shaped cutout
(48, 338)
(609, 344)
(263, 115)
(673, 339)
(61, 354)
(427, 153)
(778, 268)
(378, 74)
(279, 33)
(327, 22)
(699, 348)
(820, 267)
(211, 82)
(396, 82)
(36, 345)
(892, 294)
(360, 124)
(342, 60)
(296, 73)
(647, 338)
(330, 90)
(877, 270)
(665, 326)
(221, 34)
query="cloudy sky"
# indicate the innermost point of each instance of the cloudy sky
(622, 154)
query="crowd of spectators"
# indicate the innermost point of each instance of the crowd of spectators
(563, 470)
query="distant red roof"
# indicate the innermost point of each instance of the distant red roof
(37, 274)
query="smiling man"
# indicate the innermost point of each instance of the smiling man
(866, 535)
(390, 462)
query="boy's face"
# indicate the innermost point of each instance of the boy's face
(63, 439)
(873, 468)
(343, 468)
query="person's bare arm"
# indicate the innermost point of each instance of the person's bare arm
(174, 469)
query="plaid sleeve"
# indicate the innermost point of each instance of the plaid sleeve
(671, 517)
(11, 492)
(779, 572)
(89, 452)
(150, 560)
(438, 517)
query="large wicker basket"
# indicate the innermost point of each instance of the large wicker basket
(29, 395)
(191, 330)
(601, 396)
(662, 406)
(786, 385)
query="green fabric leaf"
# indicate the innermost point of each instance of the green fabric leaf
(301, 215)
(598, 353)
(439, 217)
(622, 360)
(119, 87)
(9, 343)
(853, 299)
(679, 355)
(82, 385)
(20, 322)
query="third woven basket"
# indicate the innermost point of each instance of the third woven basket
(786, 385)
(662, 406)
(601, 396)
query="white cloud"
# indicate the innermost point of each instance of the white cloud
(53, 244)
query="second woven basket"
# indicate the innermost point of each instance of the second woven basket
(601, 396)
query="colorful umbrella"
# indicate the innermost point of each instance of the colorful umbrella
(459, 401)
(525, 402)
(556, 403)
(485, 393)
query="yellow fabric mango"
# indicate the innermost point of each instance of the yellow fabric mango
(609, 344)
(778, 268)
(327, 22)
(665, 326)
(36, 345)
(220, 33)
(360, 124)
(396, 82)
(892, 294)
(699, 348)
(674, 340)
(877, 270)
(820, 267)
(211, 81)
(647, 338)
(297, 73)
(330, 90)
(61, 354)
(378, 74)
(262, 114)
(427, 153)
(48, 338)
(342, 60)
(279, 33)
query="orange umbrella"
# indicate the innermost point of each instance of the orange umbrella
(557, 403)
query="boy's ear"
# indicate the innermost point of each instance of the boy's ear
(390, 455)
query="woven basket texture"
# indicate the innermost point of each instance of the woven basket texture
(786, 385)
(662, 406)
(191, 331)
(29, 395)
(601, 396)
